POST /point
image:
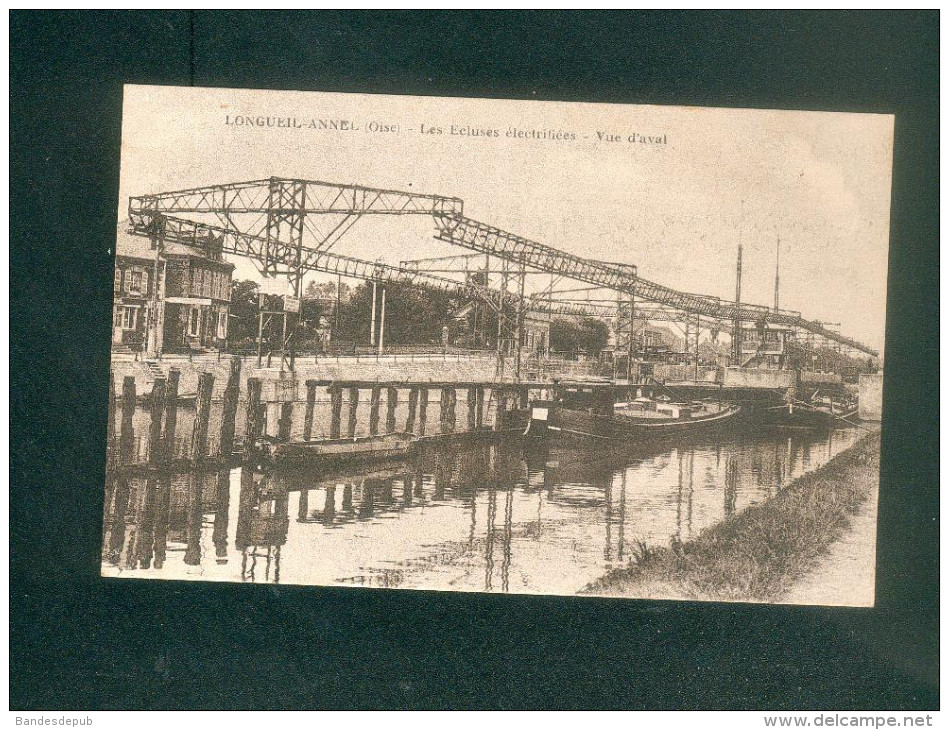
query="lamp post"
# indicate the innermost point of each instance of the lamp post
(154, 335)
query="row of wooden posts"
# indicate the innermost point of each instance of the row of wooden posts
(163, 421)
(164, 399)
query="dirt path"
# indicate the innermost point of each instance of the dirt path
(846, 575)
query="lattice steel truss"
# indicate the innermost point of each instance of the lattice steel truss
(274, 222)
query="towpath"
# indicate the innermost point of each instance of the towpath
(846, 575)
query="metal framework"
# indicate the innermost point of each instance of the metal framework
(274, 222)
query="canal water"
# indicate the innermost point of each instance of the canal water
(475, 517)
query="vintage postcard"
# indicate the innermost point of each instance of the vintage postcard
(494, 345)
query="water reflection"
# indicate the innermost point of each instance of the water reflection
(484, 517)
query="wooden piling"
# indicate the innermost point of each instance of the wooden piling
(156, 409)
(523, 396)
(222, 507)
(254, 421)
(413, 408)
(443, 411)
(193, 514)
(392, 401)
(374, 399)
(199, 435)
(422, 410)
(162, 507)
(336, 409)
(303, 506)
(111, 441)
(352, 411)
(232, 392)
(501, 397)
(310, 405)
(449, 399)
(285, 423)
(171, 415)
(479, 412)
(472, 402)
(127, 437)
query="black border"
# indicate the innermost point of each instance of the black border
(81, 643)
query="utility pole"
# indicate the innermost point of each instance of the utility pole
(502, 293)
(260, 327)
(154, 335)
(295, 327)
(382, 322)
(736, 336)
(372, 324)
(698, 325)
(629, 344)
(339, 289)
(519, 334)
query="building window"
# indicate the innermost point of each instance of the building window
(129, 318)
(136, 281)
(194, 322)
(196, 275)
(222, 324)
(118, 280)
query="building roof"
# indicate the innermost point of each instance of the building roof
(140, 247)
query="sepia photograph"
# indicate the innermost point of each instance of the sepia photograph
(474, 360)
(451, 344)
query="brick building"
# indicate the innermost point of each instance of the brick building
(185, 290)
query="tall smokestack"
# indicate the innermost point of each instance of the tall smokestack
(777, 276)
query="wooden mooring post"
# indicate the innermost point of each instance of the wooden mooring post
(352, 411)
(157, 409)
(171, 415)
(199, 435)
(336, 409)
(285, 424)
(501, 399)
(127, 436)
(413, 409)
(254, 422)
(392, 401)
(219, 531)
(472, 402)
(303, 506)
(422, 410)
(447, 415)
(232, 392)
(375, 398)
(111, 441)
(310, 405)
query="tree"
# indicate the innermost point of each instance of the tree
(589, 335)
(594, 335)
(327, 290)
(413, 316)
(564, 335)
(243, 310)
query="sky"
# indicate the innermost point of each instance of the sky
(676, 205)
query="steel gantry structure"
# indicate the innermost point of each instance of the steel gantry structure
(288, 226)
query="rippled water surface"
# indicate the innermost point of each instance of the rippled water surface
(479, 517)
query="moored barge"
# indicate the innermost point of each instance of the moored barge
(590, 415)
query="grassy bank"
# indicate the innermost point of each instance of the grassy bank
(759, 554)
